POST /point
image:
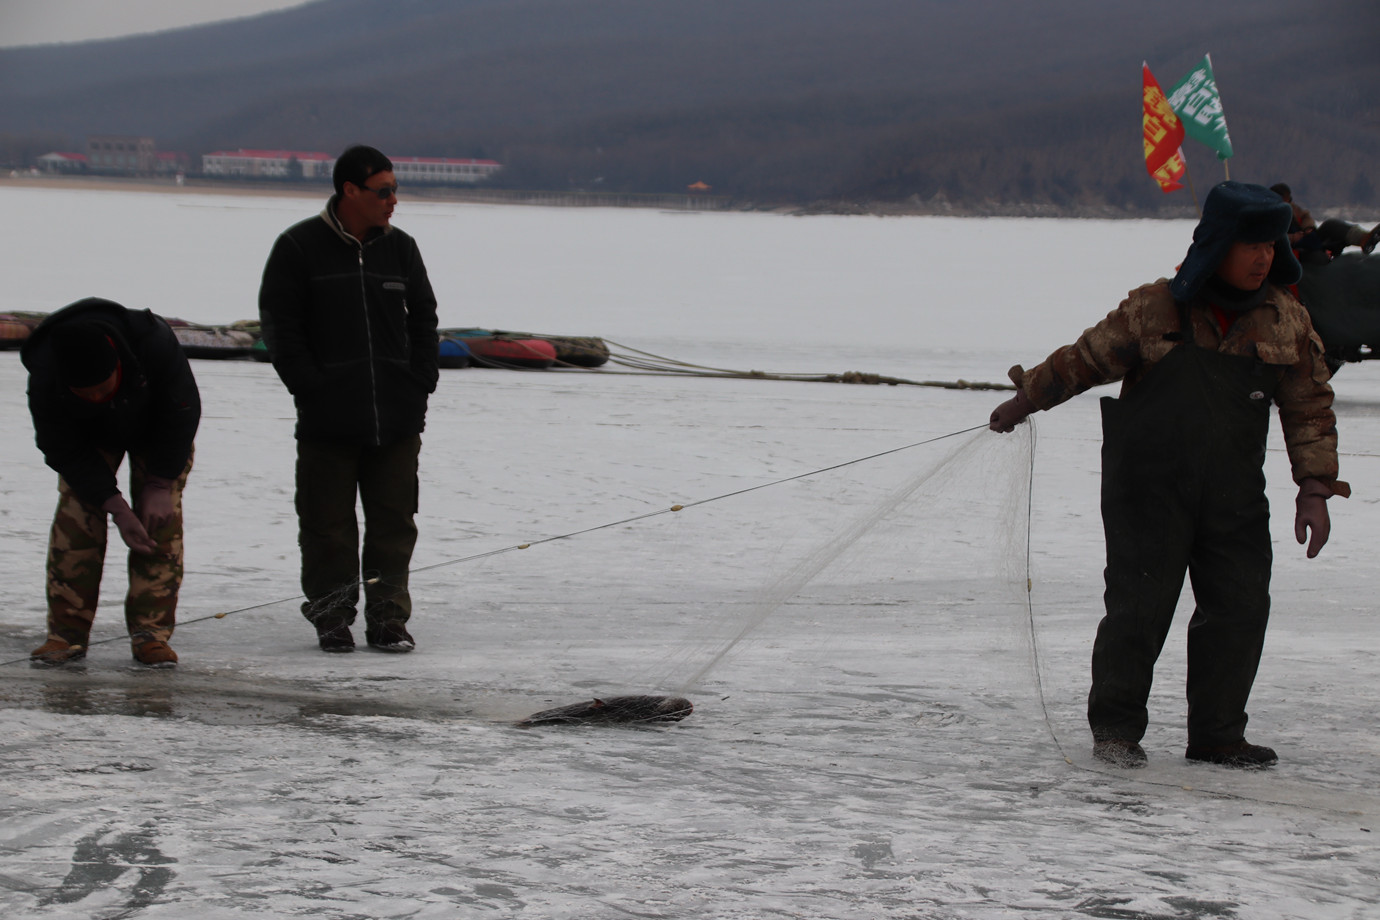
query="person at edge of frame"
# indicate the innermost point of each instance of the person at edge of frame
(1318, 244)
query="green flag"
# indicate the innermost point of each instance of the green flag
(1194, 99)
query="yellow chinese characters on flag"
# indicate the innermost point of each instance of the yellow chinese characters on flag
(1163, 135)
(1171, 172)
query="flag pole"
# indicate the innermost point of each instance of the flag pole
(1226, 161)
(1188, 174)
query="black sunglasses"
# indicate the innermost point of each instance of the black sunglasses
(383, 191)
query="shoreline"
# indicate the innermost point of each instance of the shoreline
(667, 201)
(322, 190)
(678, 202)
(164, 186)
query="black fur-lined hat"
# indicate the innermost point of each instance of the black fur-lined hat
(1237, 212)
(83, 353)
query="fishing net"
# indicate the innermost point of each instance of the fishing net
(917, 553)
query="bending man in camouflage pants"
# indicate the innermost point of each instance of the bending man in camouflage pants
(76, 559)
(105, 383)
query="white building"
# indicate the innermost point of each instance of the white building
(442, 170)
(61, 162)
(279, 164)
(268, 164)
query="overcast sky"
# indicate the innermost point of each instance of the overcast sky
(36, 22)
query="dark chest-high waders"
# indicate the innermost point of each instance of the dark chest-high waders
(1198, 419)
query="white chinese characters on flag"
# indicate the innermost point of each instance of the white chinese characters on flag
(1199, 106)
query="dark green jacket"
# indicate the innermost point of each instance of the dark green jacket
(351, 330)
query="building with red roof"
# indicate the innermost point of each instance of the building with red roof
(61, 162)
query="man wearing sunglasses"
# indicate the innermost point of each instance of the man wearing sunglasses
(349, 320)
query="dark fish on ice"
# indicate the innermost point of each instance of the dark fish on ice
(615, 709)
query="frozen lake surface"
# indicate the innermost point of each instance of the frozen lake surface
(887, 724)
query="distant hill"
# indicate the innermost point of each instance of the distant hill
(1010, 106)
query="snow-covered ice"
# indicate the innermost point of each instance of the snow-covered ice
(886, 724)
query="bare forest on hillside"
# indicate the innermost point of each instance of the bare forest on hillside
(987, 106)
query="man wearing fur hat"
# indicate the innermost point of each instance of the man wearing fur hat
(106, 382)
(1201, 358)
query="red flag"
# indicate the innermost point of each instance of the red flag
(1163, 134)
(1172, 171)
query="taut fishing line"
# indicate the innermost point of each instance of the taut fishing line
(617, 525)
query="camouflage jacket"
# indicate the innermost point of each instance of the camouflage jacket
(1131, 340)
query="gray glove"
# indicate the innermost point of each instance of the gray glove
(131, 529)
(1011, 413)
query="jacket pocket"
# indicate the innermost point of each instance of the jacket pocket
(390, 318)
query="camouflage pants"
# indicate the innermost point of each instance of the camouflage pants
(76, 559)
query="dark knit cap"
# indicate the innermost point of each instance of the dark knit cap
(1237, 212)
(83, 354)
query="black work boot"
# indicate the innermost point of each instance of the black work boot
(1120, 752)
(389, 637)
(333, 633)
(1242, 755)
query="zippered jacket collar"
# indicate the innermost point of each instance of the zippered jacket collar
(333, 221)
